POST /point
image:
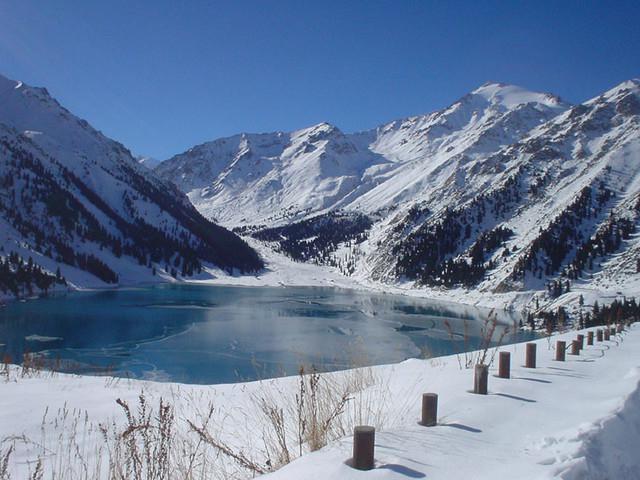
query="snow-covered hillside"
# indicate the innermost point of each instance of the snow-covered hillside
(506, 190)
(77, 202)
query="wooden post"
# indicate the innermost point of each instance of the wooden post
(599, 334)
(504, 365)
(530, 357)
(581, 341)
(429, 409)
(607, 334)
(481, 379)
(364, 438)
(589, 338)
(613, 331)
(561, 347)
(575, 347)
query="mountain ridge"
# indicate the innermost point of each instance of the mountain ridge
(378, 150)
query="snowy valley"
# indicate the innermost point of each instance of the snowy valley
(506, 198)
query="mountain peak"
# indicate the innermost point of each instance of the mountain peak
(317, 132)
(511, 96)
(632, 85)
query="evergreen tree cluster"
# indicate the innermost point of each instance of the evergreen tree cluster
(487, 243)
(315, 239)
(607, 240)
(25, 278)
(547, 253)
(618, 311)
(551, 321)
(57, 211)
(557, 287)
(415, 215)
(429, 253)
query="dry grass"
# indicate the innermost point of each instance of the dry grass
(482, 353)
(320, 409)
(154, 442)
(5, 456)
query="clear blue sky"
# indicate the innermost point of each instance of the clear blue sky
(161, 76)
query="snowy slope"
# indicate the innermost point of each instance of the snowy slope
(75, 196)
(532, 189)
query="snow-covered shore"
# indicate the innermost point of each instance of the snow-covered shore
(577, 419)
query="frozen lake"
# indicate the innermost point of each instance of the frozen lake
(205, 334)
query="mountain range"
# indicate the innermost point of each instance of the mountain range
(504, 192)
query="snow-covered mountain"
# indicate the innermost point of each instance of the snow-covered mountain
(249, 179)
(505, 190)
(77, 202)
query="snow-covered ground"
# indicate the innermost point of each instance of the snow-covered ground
(574, 420)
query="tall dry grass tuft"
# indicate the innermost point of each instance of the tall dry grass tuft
(143, 450)
(221, 447)
(482, 353)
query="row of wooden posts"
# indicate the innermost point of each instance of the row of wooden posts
(364, 436)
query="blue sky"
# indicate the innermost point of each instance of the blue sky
(161, 76)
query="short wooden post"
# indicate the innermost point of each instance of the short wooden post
(575, 347)
(429, 409)
(561, 347)
(613, 331)
(607, 334)
(599, 335)
(364, 438)
(504, 365)
(481, 379)
(581, 341)
(589, 338)
(530, 357)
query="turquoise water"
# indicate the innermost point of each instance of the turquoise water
(203, 334)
